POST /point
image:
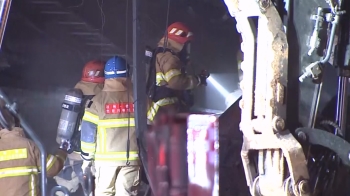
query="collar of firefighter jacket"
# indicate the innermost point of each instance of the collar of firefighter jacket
(117, 84)
(172, 45)
(16, 131)
(89, 88)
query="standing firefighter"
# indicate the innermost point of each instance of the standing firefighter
(108, 134)
(20, 159)
(168, 84)
(90, 84)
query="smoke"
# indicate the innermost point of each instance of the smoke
(229, 97)
(233, 97)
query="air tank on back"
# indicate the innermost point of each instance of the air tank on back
(70, 115)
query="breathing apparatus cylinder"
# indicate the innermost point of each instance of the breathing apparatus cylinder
(71, 109)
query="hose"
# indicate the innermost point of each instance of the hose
(333, 124)
(59, 188)
(324, 163)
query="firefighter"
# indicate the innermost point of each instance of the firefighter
(108, 134)
(90, 84)
(170, 91)
(20, 159)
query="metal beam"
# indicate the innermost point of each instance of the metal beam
(139, 87)
(72, 23)
(55, 12)
(139, 71)
(85, 33)
(99, 44)
(45, 2)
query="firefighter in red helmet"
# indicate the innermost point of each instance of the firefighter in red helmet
(91, 83)
(171, 82)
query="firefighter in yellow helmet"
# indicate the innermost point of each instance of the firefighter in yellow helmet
(20, 159)
(172, 85)
(90, 84)
(108, 134)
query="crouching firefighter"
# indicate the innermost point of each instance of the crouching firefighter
(90, 84)
(108, 134)
(20, 160)
(168, 85)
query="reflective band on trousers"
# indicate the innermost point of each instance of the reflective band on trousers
(155, 107)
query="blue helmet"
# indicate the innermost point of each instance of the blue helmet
(116, 67)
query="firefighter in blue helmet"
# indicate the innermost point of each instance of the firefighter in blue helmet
(108, 135)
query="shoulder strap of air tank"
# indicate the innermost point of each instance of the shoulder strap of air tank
(87, 100)
(160, 50)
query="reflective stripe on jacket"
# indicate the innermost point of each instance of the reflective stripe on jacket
(20, 164)
(168, 70)
(168, 73)
(106, 124)
(88, 89)
(154, 107)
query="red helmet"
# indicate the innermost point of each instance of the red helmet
(180, 33)
(93, 72)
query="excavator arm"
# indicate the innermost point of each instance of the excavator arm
(273, 160)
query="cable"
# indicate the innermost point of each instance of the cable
(75, 6)
(103, 22)
(128, 91)
(166, 27)
(333, 124)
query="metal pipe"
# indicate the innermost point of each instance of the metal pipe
(139, 87)
(59, 188)
(33, 136)
(342, 104)
(331, 39)
(6, 4)
(314, 105)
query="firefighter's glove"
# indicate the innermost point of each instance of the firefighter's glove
(202, 78)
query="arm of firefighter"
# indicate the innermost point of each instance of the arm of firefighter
(54, 163)
(172, 73)
(88, 133)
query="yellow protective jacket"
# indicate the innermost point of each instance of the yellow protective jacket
(20, 164)
(88, 89)
(106, 123)
(168, 73)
